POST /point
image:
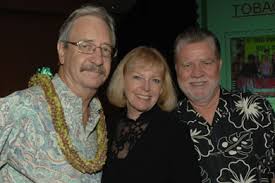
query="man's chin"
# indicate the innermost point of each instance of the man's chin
(96, 85)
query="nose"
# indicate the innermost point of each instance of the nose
(98, 57)
(147, 85)
(197, 71)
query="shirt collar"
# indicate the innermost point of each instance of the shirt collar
(72, 104)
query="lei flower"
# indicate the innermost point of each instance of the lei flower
(43, 79)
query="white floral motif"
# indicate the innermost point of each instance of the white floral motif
(250, 110)
(199, 137)
(233, 174)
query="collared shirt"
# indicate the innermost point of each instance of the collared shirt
(239, 145)
(29, 150)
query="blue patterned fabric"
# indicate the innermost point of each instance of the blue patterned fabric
(28, 144)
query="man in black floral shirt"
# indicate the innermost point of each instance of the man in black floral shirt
(233, 133)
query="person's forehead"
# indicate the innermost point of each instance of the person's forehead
(193, 49)
(196, 52)
(88, 25)
(88, 19)
(201, 44)
(145, 67)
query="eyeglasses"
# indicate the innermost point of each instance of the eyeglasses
(89, 47)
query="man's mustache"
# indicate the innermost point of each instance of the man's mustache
(93, 68)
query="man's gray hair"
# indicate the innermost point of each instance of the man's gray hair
(92, 10)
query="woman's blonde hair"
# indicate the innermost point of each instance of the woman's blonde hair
(147, 56)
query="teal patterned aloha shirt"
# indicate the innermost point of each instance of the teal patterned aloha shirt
(28, 145)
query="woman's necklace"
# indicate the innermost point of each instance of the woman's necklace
(43, 79)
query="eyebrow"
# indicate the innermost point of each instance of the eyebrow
(91, 40)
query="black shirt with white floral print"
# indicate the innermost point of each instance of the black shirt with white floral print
(239, 145)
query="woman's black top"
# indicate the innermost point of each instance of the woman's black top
(152, 149)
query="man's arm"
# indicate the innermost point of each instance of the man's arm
(6, 127)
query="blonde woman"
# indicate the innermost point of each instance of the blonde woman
(145, 142)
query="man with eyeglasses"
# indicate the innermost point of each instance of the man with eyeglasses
(55, 130)
(233, 132)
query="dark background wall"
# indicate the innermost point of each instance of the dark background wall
(29, 32)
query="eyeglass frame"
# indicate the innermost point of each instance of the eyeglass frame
(113, 52)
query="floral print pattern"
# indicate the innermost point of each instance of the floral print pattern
(239, 145)
(232, 173)
(29, 151)
(250, 111)
(200, 136)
